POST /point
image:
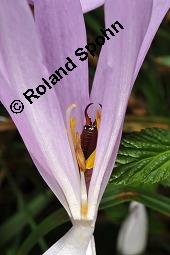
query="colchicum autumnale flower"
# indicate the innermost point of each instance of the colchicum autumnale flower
(132, 238)
(51, 127)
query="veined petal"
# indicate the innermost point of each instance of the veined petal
(41, 124)
(113, 81)
(159, 9)
(132, 238)
(62, 31)
(110, 165)
(45, 171)
(53, 184)
(87, 5)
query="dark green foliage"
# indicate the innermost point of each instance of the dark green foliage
(144, 157)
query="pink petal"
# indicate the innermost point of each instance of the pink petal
(62, 31)
(87, 5)
(159, 10)
(113, 82)
(41, 124)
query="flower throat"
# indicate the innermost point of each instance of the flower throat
(85, 143)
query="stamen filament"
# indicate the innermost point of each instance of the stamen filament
(84, 204)
(69, 134)
(83, 148)
(98, 119)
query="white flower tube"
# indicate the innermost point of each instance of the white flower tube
(132, 238)
(75, 241)
(91, 250)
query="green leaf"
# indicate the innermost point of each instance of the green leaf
(166, 182)
(144, 157)
(118, 194)
(19, 220)
(51, 222)
(164, 60)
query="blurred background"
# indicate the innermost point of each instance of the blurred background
(31, 218)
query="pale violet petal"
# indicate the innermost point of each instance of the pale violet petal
(41, 124)
(62, 31)
(113, 80)
(159, 9)
(87, 5)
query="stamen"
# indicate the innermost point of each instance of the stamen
(71, 123)
(90, 160)
(72, 129)
(84, 204)
(83, 149)
(79, 154)
(98, 119)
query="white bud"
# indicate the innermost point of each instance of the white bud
(132, 237)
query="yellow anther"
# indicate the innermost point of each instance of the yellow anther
(76, 142)
(90, 160)
(72, 130)
(79, 153)
(98, 119)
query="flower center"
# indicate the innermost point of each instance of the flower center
(83, 148)
(85, 143)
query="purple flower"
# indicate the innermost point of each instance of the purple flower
(51, 127)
